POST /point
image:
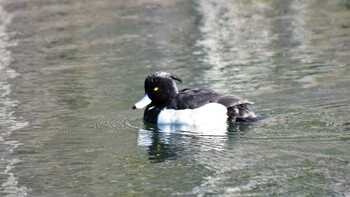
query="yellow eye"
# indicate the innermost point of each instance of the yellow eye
(155, 89)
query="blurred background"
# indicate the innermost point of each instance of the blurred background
(70, 71)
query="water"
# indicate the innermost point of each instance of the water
(71, 71)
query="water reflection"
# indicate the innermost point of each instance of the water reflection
(73, 93)
(166, 142)
(158, 144)
(9, 122)
(245, 45)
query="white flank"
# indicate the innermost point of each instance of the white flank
(210, 114)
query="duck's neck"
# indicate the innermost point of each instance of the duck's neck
(159, 105)
(151, 113)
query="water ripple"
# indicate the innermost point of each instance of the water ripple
(126, 122)
(8, 122)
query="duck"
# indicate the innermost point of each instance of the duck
(166, 105)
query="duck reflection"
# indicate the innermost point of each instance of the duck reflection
(160, 145)
(168, 142)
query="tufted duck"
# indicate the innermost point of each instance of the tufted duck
(166, 105)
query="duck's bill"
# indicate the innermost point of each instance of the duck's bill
(143, 102)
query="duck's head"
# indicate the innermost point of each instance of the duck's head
(160, 87)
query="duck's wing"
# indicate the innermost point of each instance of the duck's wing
(230, 100)
(192, 98)
(238, 109)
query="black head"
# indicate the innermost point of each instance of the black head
(160, 87)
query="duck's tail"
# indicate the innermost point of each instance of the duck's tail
(242, 113)
(250, 119)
